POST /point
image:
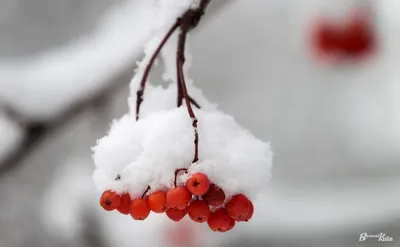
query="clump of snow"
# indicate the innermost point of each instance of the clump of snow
(159, 98)
(11, 135)
(195, 4)
(162, 142)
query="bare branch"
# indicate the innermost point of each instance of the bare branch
(139, 93)
(143, 81)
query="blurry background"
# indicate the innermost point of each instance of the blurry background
(335, 130)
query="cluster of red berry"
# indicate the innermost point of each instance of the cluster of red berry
(201, 200)
(351, 38)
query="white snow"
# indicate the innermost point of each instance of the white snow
(148, 153)
(11, 135)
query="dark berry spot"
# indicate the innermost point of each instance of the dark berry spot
(196, 183)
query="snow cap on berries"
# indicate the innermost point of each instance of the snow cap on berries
(113, 152)
(163, 141)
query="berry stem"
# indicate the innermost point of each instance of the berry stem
(140, 91)
(188, 22)
(147, 190)
(180, 95)
(180, 98)
(177, 171)
(181, 80)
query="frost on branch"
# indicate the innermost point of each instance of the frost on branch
(179, 159)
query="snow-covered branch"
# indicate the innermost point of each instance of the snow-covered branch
(62, 83)
(35, 133)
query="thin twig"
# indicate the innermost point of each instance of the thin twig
(194, 103)
(180, 95)
(139, 93)
(188, 22)
(181, 80)
(177, 171)
(147, 190)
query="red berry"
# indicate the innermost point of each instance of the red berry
(110, 200)
(215, 196)
(326, 37)
(139, 209)
(250, 214)
(125, 206)
(219, 221)
(176, 214)
(157, 202)
(199, 211)
(178, 197)
(357, 38)
(238, 207)
(231, 225)
(198, 184)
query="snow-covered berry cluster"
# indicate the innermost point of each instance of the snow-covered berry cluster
(147, 165)
(205, 166)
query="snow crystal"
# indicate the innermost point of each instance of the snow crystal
(162, 142)
(11, 135)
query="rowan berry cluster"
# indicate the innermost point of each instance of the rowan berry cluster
(352, 37)
(202, 200)
(140, 149)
